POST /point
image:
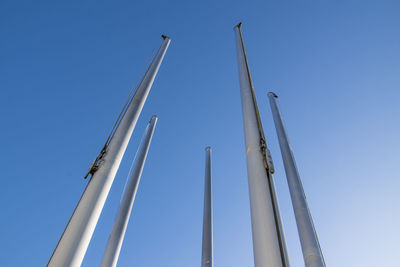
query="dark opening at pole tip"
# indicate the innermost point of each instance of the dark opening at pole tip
(164, 36)
(208, 148)
(272, 94)
(239, 25)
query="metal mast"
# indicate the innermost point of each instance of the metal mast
(312, 253)
(117, 234)
(207, 259)
(74, 242)
(268, 238)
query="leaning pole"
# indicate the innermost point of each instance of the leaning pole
(268, 240)
(72, 246)
(312, 253)
(117, 234)
(207, 259)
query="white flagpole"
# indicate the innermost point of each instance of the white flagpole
(268, 243)
(74, 242)
(312, 253)
(117, 234)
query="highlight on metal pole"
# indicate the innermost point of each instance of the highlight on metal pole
(207, 259)
(72, 246)
(117, 234)
(312, 253)
(268, 239)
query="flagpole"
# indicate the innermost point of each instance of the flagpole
(312, 253)
(74, 242)
(207, 259)
(268, 243)
(117, 234)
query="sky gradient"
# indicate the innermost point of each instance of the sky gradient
(66, 69)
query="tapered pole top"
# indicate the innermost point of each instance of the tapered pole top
(208, 148)
(272, 94)
(239, 25)
(165, 37)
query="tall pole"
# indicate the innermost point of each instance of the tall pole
(207, 259)
(312, 253)
(72, 246)
(268, 241)
(117, 234)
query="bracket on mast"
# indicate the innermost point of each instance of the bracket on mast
(268, 163)
(96, 162)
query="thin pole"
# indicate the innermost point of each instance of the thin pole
(207, 259)
(117, 234)
(268, 243)
(74, 242)
(312, 253)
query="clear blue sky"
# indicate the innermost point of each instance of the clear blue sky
(66, 68)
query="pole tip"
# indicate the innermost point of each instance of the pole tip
(165, 37)
(208, 148)
(272, 94)
(239, 25)
(154, 117)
